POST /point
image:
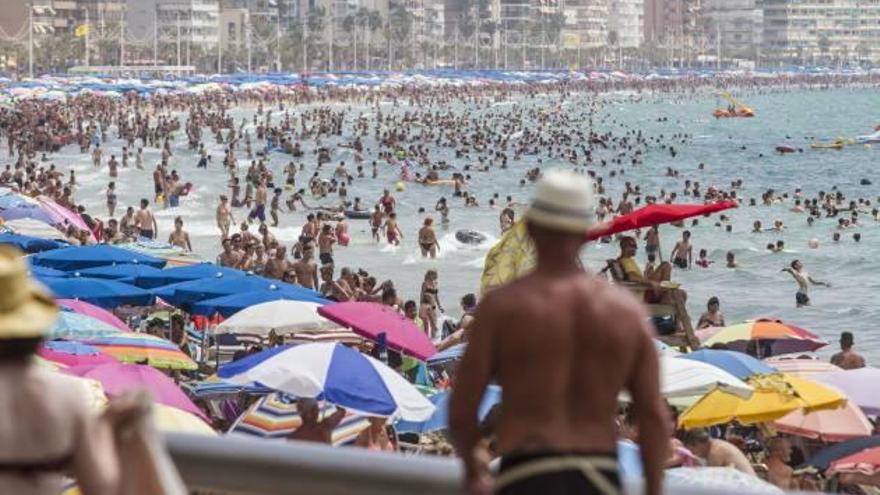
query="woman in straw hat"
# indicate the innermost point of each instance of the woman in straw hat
(46, 427)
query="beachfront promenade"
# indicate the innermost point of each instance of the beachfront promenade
(244, 466)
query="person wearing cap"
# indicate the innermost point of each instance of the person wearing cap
(47, 427)
(847, 358)
(562, 344)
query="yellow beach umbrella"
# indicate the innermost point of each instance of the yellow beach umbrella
(172, 420)
(775, 396)
(510, 258)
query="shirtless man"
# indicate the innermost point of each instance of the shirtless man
(683, 253)
(260, 198)
(778, 471)
(229, 257)
(847, 358)
(313, 430)
(326, 240)
(224, 217)
(595, 341)
(180, 237)
(306, 269)
(803, 279)
(717, 453)
(145, 221)
(376, 219)
(277, 266)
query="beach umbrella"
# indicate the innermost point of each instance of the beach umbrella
(859, 385)
(803, 366)
(173, 420)
(737, 364)
(440, 419)
(30, 244)
(73, 354)
(123, 272)
(656, 214)
(82, 257)
(34, 228)
(771, 338)
(716, 479)
(282, 316)
(451, 354)
(95, 312)
(371, 320)
(27, 211)
(185, 274)
(276, 416)
(336, 374)
(229, 305)
(774, 397)
(203, 289)
(510, 258)
(41, 272)
(76, 326)
(119, 378)
(822, 460)
(346, 337)
(62, 215)
(835, 425)
(133, 347)
(100, 292)
(690, 378)
(866, 462)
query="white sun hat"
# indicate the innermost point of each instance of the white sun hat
(563, 201)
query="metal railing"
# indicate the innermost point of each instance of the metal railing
(246, 466)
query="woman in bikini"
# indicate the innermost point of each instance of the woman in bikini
(179, 237)
(431, 289)
(428, 239)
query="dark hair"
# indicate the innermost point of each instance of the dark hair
(695, 437)
(19, 350)
(469, 300)
(713, 300)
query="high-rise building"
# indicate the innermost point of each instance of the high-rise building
(806, 30)
(626, 22)
(733, 27)
(586, 23)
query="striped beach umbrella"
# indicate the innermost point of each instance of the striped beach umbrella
(766, 337)
(142, 348)
(275, 416)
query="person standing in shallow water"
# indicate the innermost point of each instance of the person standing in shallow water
(595, 341)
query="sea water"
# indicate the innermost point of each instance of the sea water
(756, 289)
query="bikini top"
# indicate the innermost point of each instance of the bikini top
(32, 468)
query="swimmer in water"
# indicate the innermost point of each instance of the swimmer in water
(803, 279)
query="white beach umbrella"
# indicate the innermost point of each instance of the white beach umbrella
(688, 378)
(282, 316)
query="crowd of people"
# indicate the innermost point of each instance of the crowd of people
(595, 339)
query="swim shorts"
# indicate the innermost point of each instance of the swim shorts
(802, 299)
(558, 473)
(326, 258)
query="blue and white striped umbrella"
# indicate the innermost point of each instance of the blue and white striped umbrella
(336, 374)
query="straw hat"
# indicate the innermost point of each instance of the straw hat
(563, 201)
(26, 310)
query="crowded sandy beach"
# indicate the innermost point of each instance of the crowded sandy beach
(449, 264)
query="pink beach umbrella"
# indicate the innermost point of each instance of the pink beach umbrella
(118, 378)
(95, 312)
(835, 425)
(371, 320)
(63, 215)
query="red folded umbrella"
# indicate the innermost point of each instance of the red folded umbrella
(370, 320)
(655, 214)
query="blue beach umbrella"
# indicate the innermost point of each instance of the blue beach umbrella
(185, 274)
(440, 419)
(334, 373)
(100, 292)
(454, 353)
(736, 363)
(30, 244)
(200, 290)
(123, 272)
(34, 212)
(82, 257)
(76, 326)
(41, 272)
(227, 306)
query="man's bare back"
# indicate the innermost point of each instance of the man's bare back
(561, 360)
